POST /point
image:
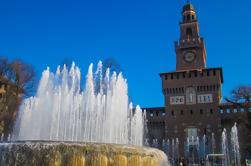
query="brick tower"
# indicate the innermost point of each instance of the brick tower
(192, 93)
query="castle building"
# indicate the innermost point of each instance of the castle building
(192, 94)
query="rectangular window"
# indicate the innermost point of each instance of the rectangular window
(181, 112)
(205, 98)
(175, 100)
(214, 72)
(195, 73)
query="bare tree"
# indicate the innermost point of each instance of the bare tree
(240, 95)
(16, 81)
(23, 76)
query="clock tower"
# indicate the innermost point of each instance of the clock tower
(192, 93)
(190, 50)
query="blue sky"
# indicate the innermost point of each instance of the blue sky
(139, 34)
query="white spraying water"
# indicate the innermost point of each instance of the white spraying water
(61, 111)
(225, 147)
(235, 145)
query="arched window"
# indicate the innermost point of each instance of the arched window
(189, 32)
(192, 17)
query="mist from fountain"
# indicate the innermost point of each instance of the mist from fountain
(61, 111)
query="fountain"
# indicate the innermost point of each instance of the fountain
(235, 146)
(65, 125)
(225, 150)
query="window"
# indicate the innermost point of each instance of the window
(181, 112)
(188, 17)
(205, 98)
(177, 76)
(151, 114)
(201, 111)
(171, 76)
(208, 73)
(191, 112)
(195, 73)
(189, 75)
(211, 111)
(214, 72)
(192, 17)
(166, 77)
(184, 75)
(172, 113)
(177, 100)
(190, 95)
(189, 32)
(210, 88)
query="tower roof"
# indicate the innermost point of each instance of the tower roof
(188, 7)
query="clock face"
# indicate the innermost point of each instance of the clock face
(189, 56)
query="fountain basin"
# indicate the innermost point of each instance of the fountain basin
(49, 153)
